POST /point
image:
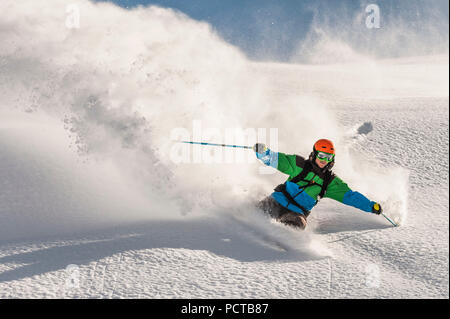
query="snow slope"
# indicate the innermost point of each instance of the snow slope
(92, 204)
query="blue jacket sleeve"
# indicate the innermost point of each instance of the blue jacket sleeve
(269, 158)
(358, 200)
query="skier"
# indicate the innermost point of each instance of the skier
(309, 180)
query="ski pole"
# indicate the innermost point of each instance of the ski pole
(390, 220)
(213, 144)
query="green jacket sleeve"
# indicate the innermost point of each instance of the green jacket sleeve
(337, 189)
(286, 163)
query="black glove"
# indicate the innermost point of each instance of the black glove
(376, 209)
(260, 148)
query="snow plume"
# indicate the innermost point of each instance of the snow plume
(360, 31)
(377, 50)
(92, 97)
(386, 185)
(119, 82)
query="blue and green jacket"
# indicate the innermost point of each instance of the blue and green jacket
(293, 165)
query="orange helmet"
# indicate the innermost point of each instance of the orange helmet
(324, 145)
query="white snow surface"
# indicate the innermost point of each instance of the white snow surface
(93, 204)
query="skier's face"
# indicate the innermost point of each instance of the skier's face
(320, 163)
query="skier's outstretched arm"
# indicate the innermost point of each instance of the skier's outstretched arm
(282, 162)
(338, 190)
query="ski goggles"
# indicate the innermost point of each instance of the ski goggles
(322, 156)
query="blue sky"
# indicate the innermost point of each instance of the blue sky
(272, 30)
